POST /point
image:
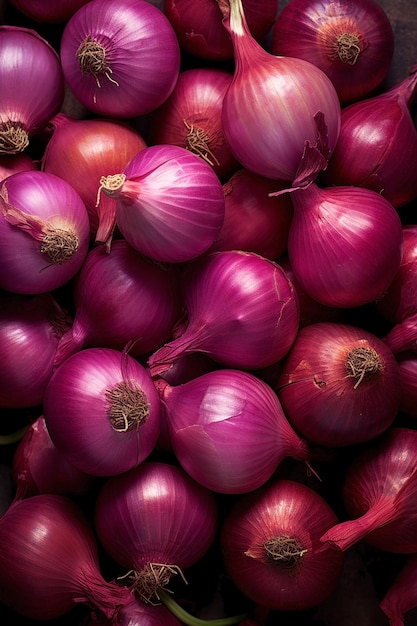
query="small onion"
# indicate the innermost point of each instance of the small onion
(271, 547)
(121, 298)
(352, 42)
(156, 521)
(380, 496)
(203, 416)
(241, 309)
(44, 231)
(293, 139)
(170, 203)
(121, 58)
(337, 232)
(339, 384)
(102, 411)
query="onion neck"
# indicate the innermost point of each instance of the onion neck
(247, 50)
(128, 406)
(406, 90)
(13, 138)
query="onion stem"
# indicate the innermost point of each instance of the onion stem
(8, 440)
(191, 620)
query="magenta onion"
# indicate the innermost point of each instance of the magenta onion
(293, 139)
(49, 561)
(38, 467)
(344, 245)
(81, 151)
(339, 384)
(377, 145)
(30, 329)
(399, 300)
(203, 416)
(379, 494)
(156, 521)
(44, 231)
(121, 58)
(48, 12)
(241, 309)
(401, 596)
(14, 163)
(32, 86)
(403, 335)
(102, 411)
(119, 298)
(271, 546)
(352, 42)
(170, 203)
(407, 363)
(254, 221)
(191, 118)
(198, 25)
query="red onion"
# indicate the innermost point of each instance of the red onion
(401, 596)
(102, 411)
(38, 467)
(13, 163)
(352, 42)
(253, 220)
(203, 416)
(379, 493)
(407, 363)
(137, 613)
(32, 89)
(49, 561)
(121, 58)
(272, 550)
(191, 118)
(377, 146)
(399, 300)
(48, 12)
(293, 139)
(30, 329)
(242, 311)
(403, 335)
(337, 232)
(199, 28)
(81, 151)
(44, 231)
(119, 298)
(170, 203)
(155, 521)
(339, 384)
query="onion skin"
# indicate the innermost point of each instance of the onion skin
(54, 13)
(379, 494)
(328, 397)
(317, 32)
(401, 596)
(293, 510)
(49, 560)
(326, 244)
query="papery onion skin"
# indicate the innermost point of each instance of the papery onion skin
(242, 311)
(191, 118)
(102, 411)
(39, 468)
(345, 244)
(119, 298)
(44, 230)
(199, 28)
(138, 54)
(401, 596)
(254, 221)
(292, 138)
(32, 86)
(377, 145)
(30, 330)
(155, 514)
(203, 415)
(339, 385)
(170, 203)
(49, 560)
(352, 42)
(81, 151)
(295, 514)
(379, 495)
